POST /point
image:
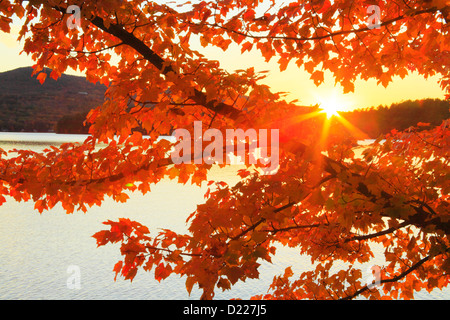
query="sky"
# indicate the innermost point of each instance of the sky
(293, 80)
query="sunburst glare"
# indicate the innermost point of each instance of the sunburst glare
(331, 104)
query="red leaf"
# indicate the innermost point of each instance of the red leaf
(131, 274)
(102, 237)
(250, 14)
(246, 47)
(117, 268)
(162, 272)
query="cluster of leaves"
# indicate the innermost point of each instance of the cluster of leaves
(337, 218)
(324, 199)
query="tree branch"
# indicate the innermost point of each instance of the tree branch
(171, 251)
(308, 226)
(421, 219)
(330, 34)
(394, 279)
(99, 50)
(165, 67)
(377, 234)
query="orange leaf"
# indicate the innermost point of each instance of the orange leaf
(41, 77)
(190, 281)
(317, 77)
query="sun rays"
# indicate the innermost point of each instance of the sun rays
(332, 103)
(330, 109)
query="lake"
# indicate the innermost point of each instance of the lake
(38, 252)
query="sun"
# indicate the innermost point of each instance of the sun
(331, 100)
(332, 103)
(330, 108)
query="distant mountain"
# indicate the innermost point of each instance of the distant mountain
(26, 105)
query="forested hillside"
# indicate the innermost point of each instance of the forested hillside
(26, 105)
(399, 116)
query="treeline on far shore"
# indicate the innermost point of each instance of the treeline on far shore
(399, 116)
(73, 124)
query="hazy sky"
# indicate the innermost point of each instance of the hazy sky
(293, 80)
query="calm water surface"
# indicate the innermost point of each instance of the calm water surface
(36, 250)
